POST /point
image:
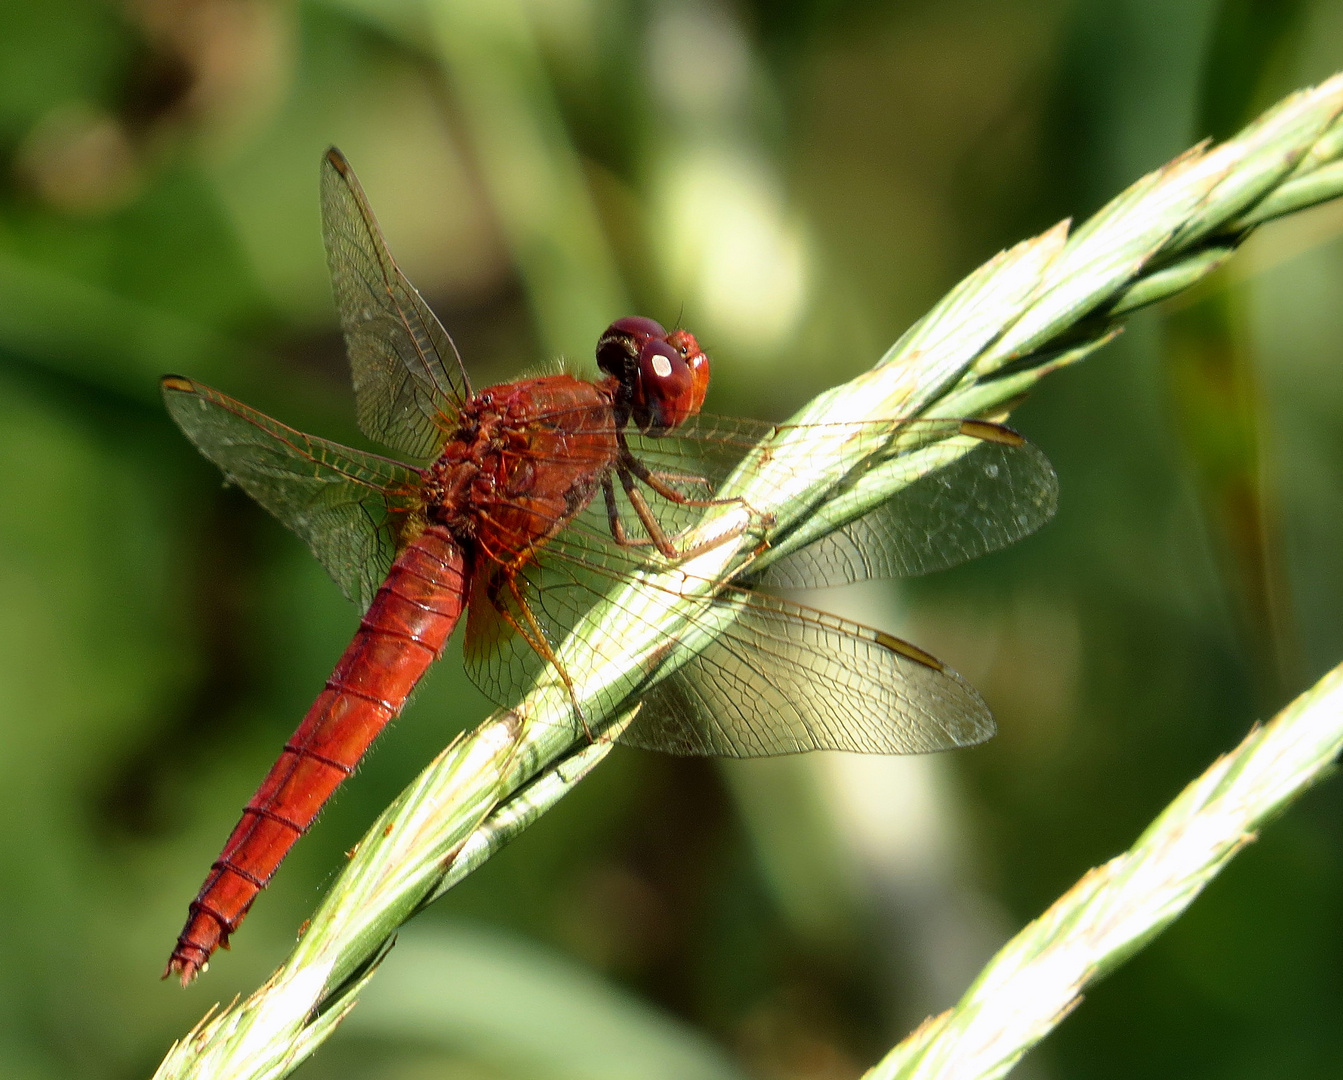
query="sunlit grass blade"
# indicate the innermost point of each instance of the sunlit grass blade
(1039, 976)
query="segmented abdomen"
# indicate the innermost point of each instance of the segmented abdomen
(402, 633)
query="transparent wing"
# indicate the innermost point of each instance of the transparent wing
(773, 677)
(408, 379)
(785, 679)
(977, 496)
(346, 505)
(977, 488)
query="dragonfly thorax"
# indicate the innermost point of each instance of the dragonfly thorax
(525, 458)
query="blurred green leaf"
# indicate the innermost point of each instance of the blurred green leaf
(527, 1011)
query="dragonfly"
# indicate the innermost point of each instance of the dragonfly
(523, 504)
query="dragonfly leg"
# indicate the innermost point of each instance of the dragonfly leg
(628, 463)
(631, 468)
(535, 637)
(613, 522)
(655, 481)
(688, 479)
(658, 536)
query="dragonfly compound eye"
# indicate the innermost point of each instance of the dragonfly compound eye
(619, 347)
(665, 393)
(683, 341)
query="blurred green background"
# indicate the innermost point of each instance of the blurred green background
(796, 181)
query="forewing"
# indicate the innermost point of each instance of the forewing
(972, 496)
(408, 378)
(973, 488)
(346, 505)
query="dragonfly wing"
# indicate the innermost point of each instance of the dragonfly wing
(765, 676)
(965, 488)
(972, 496)
(694, 461)
(346, 505)
(504, 627)
(408, 378)
(784, 679)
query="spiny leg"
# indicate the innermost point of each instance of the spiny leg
(613, 521)
(629, 467)
(537, 640)
(687, 479)
(657, 535)
(628, 461)
(655, 531)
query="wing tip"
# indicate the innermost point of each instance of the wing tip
(337, 160)
(975, 715)
(988, 431)
(911, 652)
(179, 383)
(985, 728)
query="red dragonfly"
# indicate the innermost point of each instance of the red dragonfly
(503, 519)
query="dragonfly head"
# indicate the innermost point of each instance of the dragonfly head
(662, 378)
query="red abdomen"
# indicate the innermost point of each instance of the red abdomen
(403, 632)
